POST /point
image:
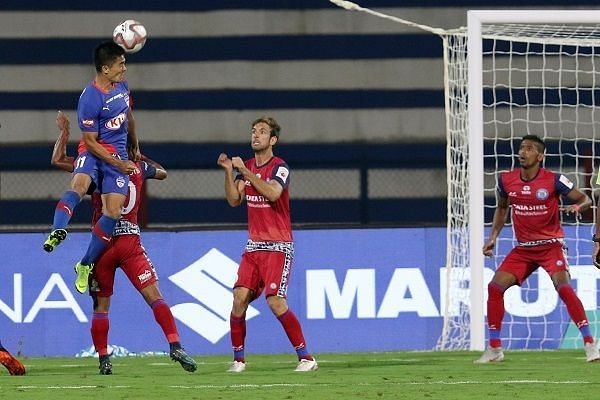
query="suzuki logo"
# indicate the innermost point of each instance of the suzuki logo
(208, 280)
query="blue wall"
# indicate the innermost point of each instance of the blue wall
(380, 286)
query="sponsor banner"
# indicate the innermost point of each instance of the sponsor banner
(353, 290)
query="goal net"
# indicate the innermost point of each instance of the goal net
(529, 72)
(523, 72)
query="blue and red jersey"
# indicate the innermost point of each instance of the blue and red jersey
(535, 203)
(129, 216)
(269, 221)
(105, 112)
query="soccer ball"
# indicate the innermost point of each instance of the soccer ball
(130, 35)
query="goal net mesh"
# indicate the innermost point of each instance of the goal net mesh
(542, 80)
(537, 79)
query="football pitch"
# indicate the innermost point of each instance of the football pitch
(546, 375)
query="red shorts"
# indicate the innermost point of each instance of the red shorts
(268, 270)
(126, 252)
(522, 261)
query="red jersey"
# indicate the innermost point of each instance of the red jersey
(128, 223)
(269, 221)
(535, 204)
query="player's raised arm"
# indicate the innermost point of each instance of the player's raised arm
(59, 153)
(234, 190)
(132, 136)
(270, 190)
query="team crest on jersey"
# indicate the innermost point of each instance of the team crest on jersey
(559, 263)
(116, 122)
(541, 194)
(120, 181)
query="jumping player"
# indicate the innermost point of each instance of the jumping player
(103, 114)
(263, 181)
(125, 251)
(534, 193)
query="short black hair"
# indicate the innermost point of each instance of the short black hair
(275, 128)
(106, 53)
(536, 139)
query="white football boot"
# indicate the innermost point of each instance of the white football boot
(305, 365)
(491, 354)
(591, 352)
(237, 366)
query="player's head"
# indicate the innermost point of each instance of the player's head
(109, 59)
(265, 133)
(541, 145)
(531, 151)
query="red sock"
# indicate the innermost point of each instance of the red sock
(99, 332)
(164, 317)
(238, 336)
(495, 313)
(293, 330)
(576, 310)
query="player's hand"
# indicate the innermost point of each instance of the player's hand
(572, 209)
(238, 163)
(62, 121)
(224, 162)
(596, 255)
(488, 248)
(127, 167)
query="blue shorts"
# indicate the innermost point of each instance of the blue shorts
(108, 179)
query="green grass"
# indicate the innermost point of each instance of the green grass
(545, 375)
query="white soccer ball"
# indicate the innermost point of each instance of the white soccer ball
(130, 35)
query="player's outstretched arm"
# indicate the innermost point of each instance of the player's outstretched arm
(498, 222)
(59, 153)
(161, 172)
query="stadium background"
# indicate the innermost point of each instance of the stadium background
(360, 100)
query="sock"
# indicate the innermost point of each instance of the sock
(164, 317)
(576, 311)
(99, 331)
(293, 330)
(101, 235)
(495, 313)
(238, 336)
(64, 209)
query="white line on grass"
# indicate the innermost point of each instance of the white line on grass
(275, 385)
(278, 385)
(73, 387)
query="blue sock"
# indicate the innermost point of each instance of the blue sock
(302, 352)
(64, 209)
(585, 331)
(238, 353)
(101, 235)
